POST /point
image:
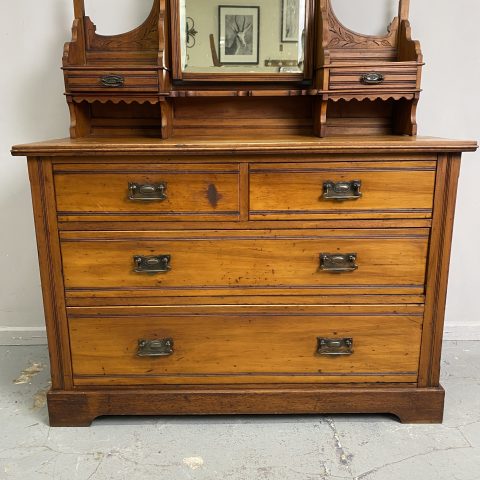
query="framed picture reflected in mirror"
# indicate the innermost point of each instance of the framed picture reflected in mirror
(290, 20)
(239, 34)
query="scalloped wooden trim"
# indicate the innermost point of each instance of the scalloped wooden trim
(372, 97)
(115, 100)
(340, 36)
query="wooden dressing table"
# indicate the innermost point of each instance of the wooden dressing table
(221, 240)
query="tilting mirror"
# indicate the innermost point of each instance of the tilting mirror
(235, 36)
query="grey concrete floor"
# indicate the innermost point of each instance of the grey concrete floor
(237, 448)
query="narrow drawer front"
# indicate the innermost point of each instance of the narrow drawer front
(210, 262)
(248, 348)
(111, 81)
(342, 190)
(167, 192)
(401, 77)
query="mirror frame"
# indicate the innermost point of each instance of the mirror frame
(179, 76)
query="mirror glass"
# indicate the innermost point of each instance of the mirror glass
(113, 17)
(239, 36)
(370, 17)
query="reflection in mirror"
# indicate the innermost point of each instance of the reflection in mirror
(242, 36)
(113, 17)
(369, 17)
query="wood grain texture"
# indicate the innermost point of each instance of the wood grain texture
(107, 298)
(438, 267)
(147, 223)
(245, 224)
(243, 260)
(397, 77)
(410, 405)
(91, 80)
(344, 56)
(299, 307)
(334, 60)
(291, 144)
(208, 192)
(256, 347)
(389, 189)
(48, 247)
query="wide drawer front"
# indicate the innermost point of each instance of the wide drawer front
(244, 348)
(392, 77)
(168, 192)
(342, 189)
(234, 262)
(111, 81)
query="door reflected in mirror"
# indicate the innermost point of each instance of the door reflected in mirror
(113, 17)
(368, 17)
(235, 36)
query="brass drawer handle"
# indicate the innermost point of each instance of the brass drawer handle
(372, 78)
(155, 348)
(152, 264)
(342, 190)
(112, 81)
(147, 192)
(334, 346)
(338, 262)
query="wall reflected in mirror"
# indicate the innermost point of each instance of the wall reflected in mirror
(234, 36)
(368, 17)
(113, 17)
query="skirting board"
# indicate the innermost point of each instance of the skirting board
(38, 336)
(459, 332)
(23, 336)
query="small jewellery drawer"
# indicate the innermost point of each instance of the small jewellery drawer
(235, 262)
(402, 189)
(153, 346)
(150, 192)
(391, 77)
(111, 81)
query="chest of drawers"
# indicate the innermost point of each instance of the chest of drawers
(299, 275)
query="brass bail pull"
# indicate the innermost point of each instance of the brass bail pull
(162, 347)
(334, 346)
(148, 192)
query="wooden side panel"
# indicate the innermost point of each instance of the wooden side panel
(438, 266)
(43, 199)
(246, 348)
(295, 191)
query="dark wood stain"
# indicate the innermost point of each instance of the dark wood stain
(213, 195)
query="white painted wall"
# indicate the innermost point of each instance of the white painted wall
(33, 108)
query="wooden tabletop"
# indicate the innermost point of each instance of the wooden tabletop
(231, 145)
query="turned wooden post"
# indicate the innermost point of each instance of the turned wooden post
(403, 9)
(79, 8)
